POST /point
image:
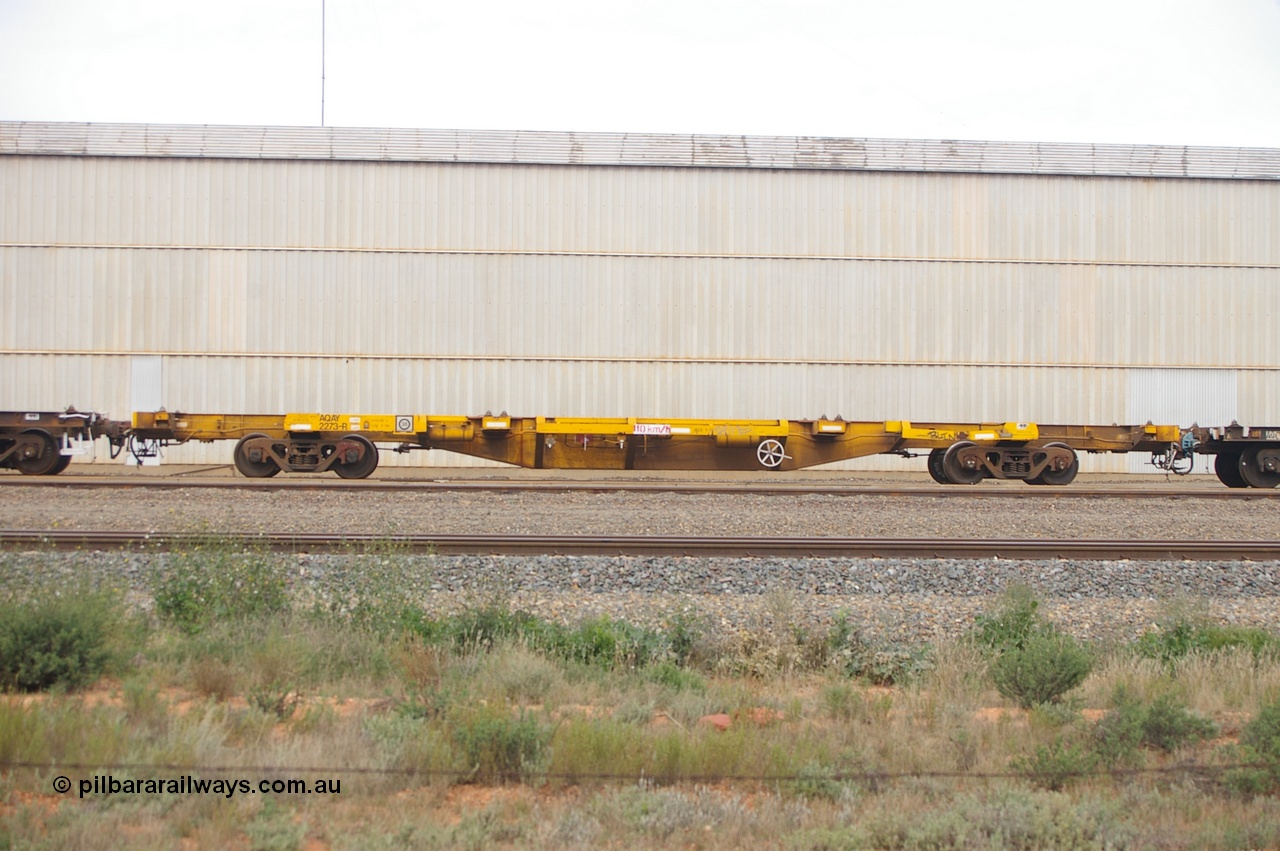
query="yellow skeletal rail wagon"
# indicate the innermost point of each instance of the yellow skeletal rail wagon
(41, 443)
(347, 444)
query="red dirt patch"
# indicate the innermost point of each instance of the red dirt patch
(718, 721)
(997, 714)
(46, 802)
(762, 716)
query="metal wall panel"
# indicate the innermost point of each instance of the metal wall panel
(1259, 397)
(146, 382)
(459, 306)
(1185, 397)
(428, 207)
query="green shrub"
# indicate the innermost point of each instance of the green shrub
(1056, 765)
(1033, 663)
(881, 664)
(814, 780)
(843, 703)
(607, 643)
(1016, 620)
(1263, 733)
(379, 592)
(497, 745)
(274, 829)
(1169, 725)
(215, 581)
(1045, 667)
(684, 633)
(843, 639)
(583, 748)
(56, 641)
(1260, 746)
(599, 642)
(670, 675)
(475, 630)
(1118, 735)
(892, 664)
(1184, 635)
(1166, 725)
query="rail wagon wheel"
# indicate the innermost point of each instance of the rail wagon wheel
(1227, 467)
(936, 470)
(264, 469)
(956, 472)
(1061, 477)
(45, 458)
(1251, 470)
(771, 453)
(364, 465)
(64, 461)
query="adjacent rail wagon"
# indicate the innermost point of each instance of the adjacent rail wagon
(42, 443)
(1243, 457)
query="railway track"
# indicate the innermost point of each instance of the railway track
(1016, 489)
(743, 547)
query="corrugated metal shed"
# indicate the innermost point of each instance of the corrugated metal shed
(634, 149)
(707, 214)
(649, 310)
(275, 269)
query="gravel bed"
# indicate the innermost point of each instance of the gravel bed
(905, 600)
(588, 513)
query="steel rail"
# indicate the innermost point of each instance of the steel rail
(759, 488)
(633, 545)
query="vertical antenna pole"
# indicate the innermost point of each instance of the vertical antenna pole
(322, 4)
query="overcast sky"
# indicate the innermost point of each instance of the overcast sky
(1162, 72)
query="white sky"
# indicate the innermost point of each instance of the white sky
(1171, 72)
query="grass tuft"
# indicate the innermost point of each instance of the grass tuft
(1183, 634)
(497, 746)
